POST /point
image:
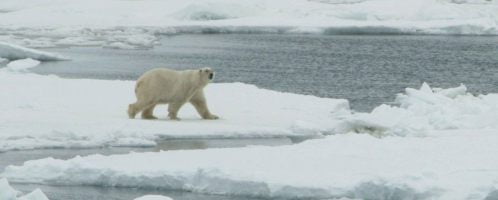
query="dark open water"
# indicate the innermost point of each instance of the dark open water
(367, 70)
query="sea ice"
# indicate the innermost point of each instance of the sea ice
(37, 194)
(15, 52)
(449, 165)
(423, 110)
(153, 197)
(22, 65)
(8, 193)
(48, 111)
(36, 23)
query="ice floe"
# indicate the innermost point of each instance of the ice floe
(15, 52)
(9, 193)
(423, 110)
(456, 165)
(48, 111)
(53, 112)
(22, 64)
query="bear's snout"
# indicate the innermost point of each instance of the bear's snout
(211, 76)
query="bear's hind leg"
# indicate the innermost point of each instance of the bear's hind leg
(132, 111)
(173, 108)
(137, 107)
(148, 112)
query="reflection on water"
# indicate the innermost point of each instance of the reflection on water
(177, 144)
(18, 157)
(109, 193)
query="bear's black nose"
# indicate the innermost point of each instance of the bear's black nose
(211, 75)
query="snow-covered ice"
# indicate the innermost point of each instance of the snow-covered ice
(9, 193)
(437, 144)
(19, 59)
(453, 165)
(423, 110)
(37, 194)
(15, 52)
(153, 197)
(48, 111)
(136, 24)
(22, 64)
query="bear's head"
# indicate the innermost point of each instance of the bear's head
(207, 74)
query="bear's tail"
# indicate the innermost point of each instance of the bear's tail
(139, 83)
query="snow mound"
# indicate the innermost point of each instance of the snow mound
(205, 11)
(22, 65)
(153, 197)
(423, 110)
(15, 52)
(37, 194)
(352, 166)
(8, 193)
(49, 112)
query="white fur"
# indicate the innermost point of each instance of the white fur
(166, 86)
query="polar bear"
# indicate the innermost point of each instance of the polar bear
(166, 86)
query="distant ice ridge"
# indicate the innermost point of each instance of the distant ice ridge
(15, 52)
(8, 193)
(451, 165)
(19, 59)
(43, 23)
(423, 110)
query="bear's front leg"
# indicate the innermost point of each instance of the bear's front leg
(199, 103)
(173, 110)
(210, 116)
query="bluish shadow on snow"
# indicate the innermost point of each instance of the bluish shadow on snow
(386, 191)
(207, 143)
(204, 183)
(225, 30)
(367, 30)
(493, 195)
